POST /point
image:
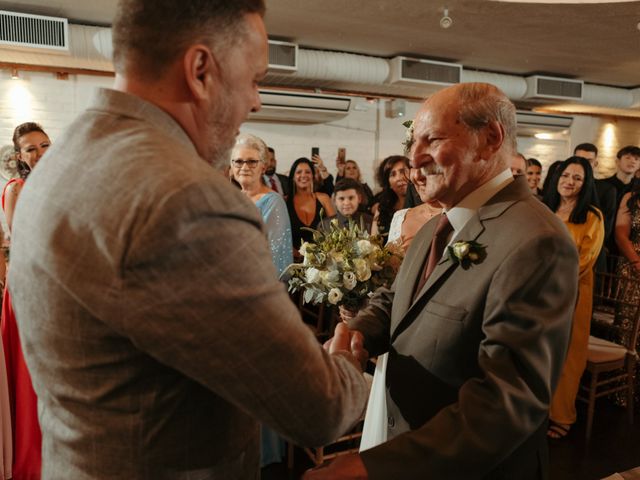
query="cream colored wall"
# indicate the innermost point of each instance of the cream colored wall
(367, 134)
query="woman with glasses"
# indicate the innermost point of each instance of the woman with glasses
(572, 197)
(248, 164)
(306, 207)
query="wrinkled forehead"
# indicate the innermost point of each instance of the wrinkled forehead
(441, 110)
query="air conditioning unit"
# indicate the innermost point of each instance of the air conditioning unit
(300, 107)
(34, 32)
(283, 57)
(423, 73)
(550, 88)
(545, 121)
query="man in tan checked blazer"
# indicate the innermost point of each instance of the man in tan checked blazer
(476, 350)
(153, 323)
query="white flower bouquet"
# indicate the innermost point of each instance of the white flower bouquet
(342, 266)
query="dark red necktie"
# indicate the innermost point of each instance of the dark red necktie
(272, 181)
(438, 244)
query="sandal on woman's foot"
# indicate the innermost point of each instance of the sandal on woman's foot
(557, 431)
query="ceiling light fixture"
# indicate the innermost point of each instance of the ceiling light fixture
(544, 136)
(446, 21)
(14, 74)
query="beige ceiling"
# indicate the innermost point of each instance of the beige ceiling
(597, 43)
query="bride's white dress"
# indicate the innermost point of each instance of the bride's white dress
(374, 431)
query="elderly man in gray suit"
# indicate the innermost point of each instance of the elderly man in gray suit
(477, 333)
(153, 323)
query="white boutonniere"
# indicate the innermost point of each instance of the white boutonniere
(408, 136)
(466, 254)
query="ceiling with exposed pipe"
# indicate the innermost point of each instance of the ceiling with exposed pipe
(597, 43)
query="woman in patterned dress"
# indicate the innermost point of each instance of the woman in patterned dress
(627, 235)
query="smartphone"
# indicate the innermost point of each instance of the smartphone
(315, 151)
(342, 154)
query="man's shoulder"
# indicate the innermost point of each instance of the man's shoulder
(129, 164)
(527, 220)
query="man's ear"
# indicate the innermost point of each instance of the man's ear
(493, 137)
(200, 70)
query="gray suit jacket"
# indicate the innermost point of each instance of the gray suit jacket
(151, 315)
(474, 360)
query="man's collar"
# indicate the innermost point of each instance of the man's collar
(132, 106)
(465, 209)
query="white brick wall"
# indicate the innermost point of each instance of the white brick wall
(40, 97)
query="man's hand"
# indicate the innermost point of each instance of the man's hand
(344, 467)
(350, 341)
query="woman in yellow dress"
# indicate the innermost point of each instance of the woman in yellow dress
(572, 198)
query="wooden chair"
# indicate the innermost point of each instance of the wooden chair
(347, 443)
(611, 365)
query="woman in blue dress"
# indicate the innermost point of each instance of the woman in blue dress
(248, 164)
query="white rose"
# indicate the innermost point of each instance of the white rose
(461, 249)
(363, 272)
(312, 275)
(349, 279)
(335, 295)
(365, 247)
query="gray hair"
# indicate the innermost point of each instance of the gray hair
(481, 103)
(148, 35)
(247, 140)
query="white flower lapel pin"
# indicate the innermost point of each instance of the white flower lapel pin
(467, 254)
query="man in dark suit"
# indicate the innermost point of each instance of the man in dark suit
(476, 334)
(606, 197)
(276, 181)
(605, 192)
(627, 165)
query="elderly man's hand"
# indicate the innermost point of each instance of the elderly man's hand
(346, 340)
(345, 467)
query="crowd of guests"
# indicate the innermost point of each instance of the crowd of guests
(602, 217)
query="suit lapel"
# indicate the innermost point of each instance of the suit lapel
(412, 266)
(407, 309)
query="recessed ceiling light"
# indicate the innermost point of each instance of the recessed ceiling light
(544, 136)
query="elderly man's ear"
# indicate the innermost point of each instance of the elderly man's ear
(492, 137)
